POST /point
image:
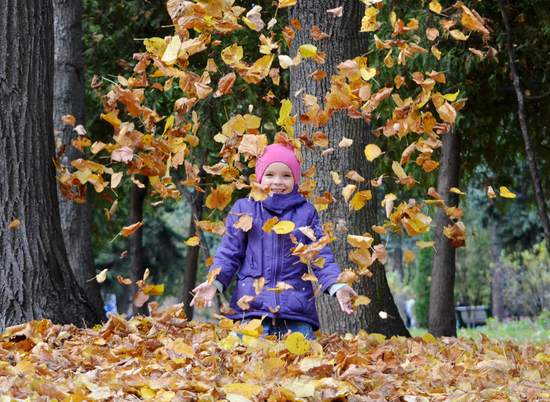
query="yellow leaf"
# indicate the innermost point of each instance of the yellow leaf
(246, 390)
(504, 192)
(359, 200)
(286, 108)
(360, 301)
(360, 241)
(268, 225)
(154, 45)
(456, 191)
(259, 285)
(171, 53)
(398, 170)
(154, 290)
(424, 244)
(146, 393)
(286, 3)
(435, 7)
(429, 338)
(283, 227)
(14, 223)
(193, 241)
(436, 52)
(213, 274)
(458, 35)
(372, 151)
(169, 123)
(308, 51)
(409, 256)
(335, 177)
(297, 344)
(348, 191)
(451, 97)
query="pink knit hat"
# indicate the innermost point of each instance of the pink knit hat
(278, 153)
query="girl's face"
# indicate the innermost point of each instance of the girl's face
(279, 177)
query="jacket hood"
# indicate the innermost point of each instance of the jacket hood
(278, 203)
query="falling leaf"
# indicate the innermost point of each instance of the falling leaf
(243, 302)
(308, 51)
(296, 24)
(69, 119)
(372, 151)
(424, 244)
(124, 281)
(345, 142)
(456, 191)
(491, 192)
(192, 241)
(347, 276)
(360, 301)
(435, 7)
(128, 230)
(297, 344)
(335, 177)
(504, 192)
(286, 3)
(348, 191)
(309, 277)
(432, 34)
(124, 154)
(320, 139)
(102, 276)
(154, 290)
(317, 34)
(244, 223)
(359, 200)
(283, 227)
(14, 224)
(140, 298)
(268, 225)
(353, 175)
(336, 12)
(318, 75)
(115, 179)
(383, 315)
(310, 172)
(259, 285)
(409, 256)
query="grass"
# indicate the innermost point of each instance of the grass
(518, 332)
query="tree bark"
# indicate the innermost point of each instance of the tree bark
(36, 281)
(345, 43)
(69, 98)
(137, 258)
(442, 320)
(398, 259)
(537, 183)
(497, 281)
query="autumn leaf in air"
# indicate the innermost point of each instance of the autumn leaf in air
(317, 34)
(192, 241)
(336, 12)
(307, 51)
(259, 285)
(425, 244)
(14, 224)
(283, 227)
(268, 225)
(124, 154)
(243, 302)
(128, 230)
(409, 256)
(244, 223)
(504, 192)
(347, 276)
(372, 151)
(490, 192)
(69, 119)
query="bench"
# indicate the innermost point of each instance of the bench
(472, 316)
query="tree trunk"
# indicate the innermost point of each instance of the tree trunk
(345, 43)
(192, 258)
(36, 281)
(76, 221)
(137, 258)
(398, 259)
(497, 281)
(442, 320)
(537, 183)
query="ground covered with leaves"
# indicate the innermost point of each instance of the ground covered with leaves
(165, 357)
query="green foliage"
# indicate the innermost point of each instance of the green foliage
(527, 281)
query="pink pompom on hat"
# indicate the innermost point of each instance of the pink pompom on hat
(278, 153)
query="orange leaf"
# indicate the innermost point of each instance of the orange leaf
(353, 175)
(140, 298)
(243, 302)
(317, 34)
(14, 223)
(347, 276)
(69, 119)
(128, 230)
(268, 225)
(491, 192)
(320, 139)
(244, 223)
(409, 256)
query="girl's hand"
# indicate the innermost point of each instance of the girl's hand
(204, 292)
(344, 296)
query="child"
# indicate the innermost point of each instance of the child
(267, 255)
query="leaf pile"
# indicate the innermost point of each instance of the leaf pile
(167, 358)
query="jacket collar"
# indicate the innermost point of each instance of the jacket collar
(278, 203)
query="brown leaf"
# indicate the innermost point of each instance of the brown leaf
(128, 230)
(243, 302)
(140, 298)
(317, 34)
(244, 223)
(336, 12)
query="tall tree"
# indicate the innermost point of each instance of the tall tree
(345, 43)
(442, 320)
(69, 95)
(522, 116)
(35, 277)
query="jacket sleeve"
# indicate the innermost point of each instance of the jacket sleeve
(329, 273)
(232, 250)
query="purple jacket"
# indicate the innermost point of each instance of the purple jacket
(259, 254)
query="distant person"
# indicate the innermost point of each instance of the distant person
(409, 305)
(463, 301)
